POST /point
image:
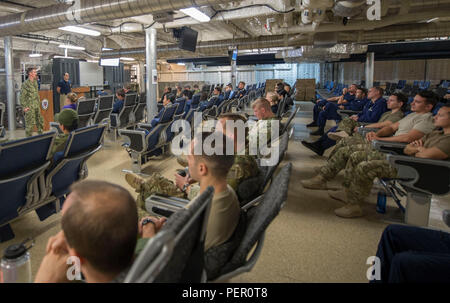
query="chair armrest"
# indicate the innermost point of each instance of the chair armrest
(364, 130)
(395, 148)
(348, 112)
(135, 139)
(421, 174)
(446, 217)
(146, 126)
(165, 205)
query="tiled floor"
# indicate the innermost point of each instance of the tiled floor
(305, 243)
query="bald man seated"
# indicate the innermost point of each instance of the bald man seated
(99, 232)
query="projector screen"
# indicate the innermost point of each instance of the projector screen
(109, 62)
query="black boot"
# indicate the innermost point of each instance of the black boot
(312, 124)
(314, 147)
(318, 132)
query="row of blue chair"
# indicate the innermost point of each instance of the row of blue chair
(35, 181)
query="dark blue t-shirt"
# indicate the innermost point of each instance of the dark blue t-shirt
(66, 87)
(117, 107)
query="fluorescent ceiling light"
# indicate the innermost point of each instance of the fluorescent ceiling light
(35, 55)
(71, 46)
(92, 61)
(80, 30)
(433, 19)
(106, 49)
(196, 14)
(126, 59)
(63, 57)
(181, 63)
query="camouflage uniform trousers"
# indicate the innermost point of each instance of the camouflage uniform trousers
(355, 139)
(361, 170)
(347, 125)
(339, 160)
(156, 184)
(33, 118)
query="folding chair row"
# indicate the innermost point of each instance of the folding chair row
(37, 181)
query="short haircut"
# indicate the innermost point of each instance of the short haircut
(102, 225)
(280, 85)
(121, 93)
(218, 88)
(401, 97)
(364, 90)
(195, 85)
(242, 82)
(430, 97)
(379, 89)
(171, 97)
(30, 69)
(271, 96)
(218, 165)
(73, 97)
(262, 102)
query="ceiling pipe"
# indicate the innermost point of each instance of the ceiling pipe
(86, 11)
(369, 25)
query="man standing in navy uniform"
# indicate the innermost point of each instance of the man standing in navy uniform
(64, 87)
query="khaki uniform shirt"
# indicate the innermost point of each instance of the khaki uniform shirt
(420, 122)
(439, 140)
(393, 117)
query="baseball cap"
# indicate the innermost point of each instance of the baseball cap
(66, 117)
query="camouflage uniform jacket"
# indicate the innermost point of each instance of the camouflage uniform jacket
(29, 95)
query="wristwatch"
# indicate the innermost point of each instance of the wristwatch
(148, 220)
(185, 186)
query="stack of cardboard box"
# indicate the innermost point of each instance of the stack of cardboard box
(270, 84)
(305, 89)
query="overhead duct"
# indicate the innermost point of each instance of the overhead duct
(350, 8)
(313, 54)
(85, 11)
(325, 39)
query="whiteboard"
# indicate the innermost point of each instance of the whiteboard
(91, 74)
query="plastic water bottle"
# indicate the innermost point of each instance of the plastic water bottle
(381, 203)
(15, 266)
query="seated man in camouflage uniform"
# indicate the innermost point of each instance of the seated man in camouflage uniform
(266, 119)
(244, 167)
(359, 175)
(409, 129)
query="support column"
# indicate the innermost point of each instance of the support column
(10, 83)
(233, 73)
(141, 72)
(151, 72)
(370, 61)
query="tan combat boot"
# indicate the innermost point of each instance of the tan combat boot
(318, 182)
(349, 211)
(134, 180)
(339, 195)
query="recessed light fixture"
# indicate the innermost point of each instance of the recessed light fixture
(181, 63)
(35, 55)
(63, 57)
(196, 14)
(106, 49)
(71, 46)
(80, 30)
(126, 59)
